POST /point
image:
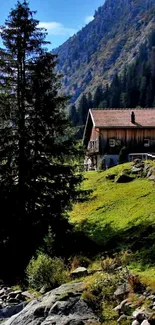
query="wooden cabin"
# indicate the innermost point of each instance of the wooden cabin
(107, 131)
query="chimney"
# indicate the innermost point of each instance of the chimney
(133, 117)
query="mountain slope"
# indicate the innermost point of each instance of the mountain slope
(105, 45)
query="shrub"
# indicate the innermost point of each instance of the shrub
(45, 271)
(135, 283)
(80, 261)
(108, 264)
(121, 259)
(125, 257)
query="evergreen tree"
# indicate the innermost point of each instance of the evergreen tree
(89, 100)
(73, 115)
(37, 164)
(83, 109)
(115, 92)
(98, 96)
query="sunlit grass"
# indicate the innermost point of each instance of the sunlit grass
(113, 206)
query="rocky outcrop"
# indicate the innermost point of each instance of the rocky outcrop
(61, 306)
(11, 301)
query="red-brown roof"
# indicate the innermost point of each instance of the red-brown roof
(122, 118)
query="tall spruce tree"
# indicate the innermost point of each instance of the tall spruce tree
(37, 170)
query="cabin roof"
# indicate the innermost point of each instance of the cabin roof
(122, 118)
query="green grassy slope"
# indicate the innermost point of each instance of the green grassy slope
(117, 215)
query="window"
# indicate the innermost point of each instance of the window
(92, 144)
(112, 142)
(146, 142)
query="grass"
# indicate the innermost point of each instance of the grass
(120, 219)
(116, 212)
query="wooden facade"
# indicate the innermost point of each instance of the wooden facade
(101, 139)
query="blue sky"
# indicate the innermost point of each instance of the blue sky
(62, 18)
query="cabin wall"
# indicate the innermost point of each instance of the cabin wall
(136, 140)
(94, 134)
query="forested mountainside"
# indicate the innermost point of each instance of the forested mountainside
(133, 87)
(103, 47)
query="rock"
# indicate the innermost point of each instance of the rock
(151, 173)
(117, 308)
(28, 295)
(19, 296)
(123, 178)
(110, 177)
(145, 322)
(139, 315)
(152, 178)
(122, 318)
(146, 169)
(137, 170)
(121, 305)
(4, 297)
(137, 161)
(79, 272)
(11, 310)
(122, 290)
(2, 292)
(13, 294)
(135, 322)
(151, 297)
(61, 306)
(76, 322)
(12, 301)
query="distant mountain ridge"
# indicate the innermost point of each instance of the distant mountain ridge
(105, 45)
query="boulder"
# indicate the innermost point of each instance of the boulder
(152, 178)
(151, 174)
(137, 170)
(135, 322)
(139, 315)
(122, 290)
(123, 178)
(137, 161)
(61, 306)
(145, 322)
(79, 272)
(11, 310)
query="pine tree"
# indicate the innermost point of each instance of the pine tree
(90, 100)
(116, 91)
(37, 152)
(83, 109)
(50, 141)
(73, 115)
(98, 96)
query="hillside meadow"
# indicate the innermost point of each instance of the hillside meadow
(118, 216)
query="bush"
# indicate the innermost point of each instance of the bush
(45, 271)
(80, 261)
